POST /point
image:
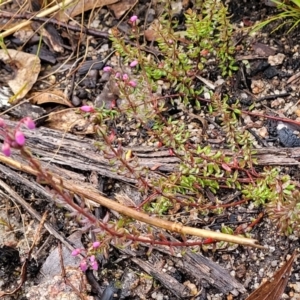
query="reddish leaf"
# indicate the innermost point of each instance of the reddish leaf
(273, 290)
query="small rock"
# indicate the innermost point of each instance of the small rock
(263, 50)
(157, 296)
(192, 287)
(297, 112)
(76, 101)
(248, 120)
(263, 132)
(257, 86)
(207, 95)
(262, 66)
(270, 72)
(241, 271)
(274, 263)
(219, 82)
(287, 137)
(52, 79)
(104, 48)
(277, 102)
(95, 23)
(275, 60)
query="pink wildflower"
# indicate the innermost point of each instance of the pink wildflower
(107, 69)
(125, 77)
(75, 252)
(83, 265)
(94, 263)
(132, 83)
(92, 258)
(20, 138)
(118, 75)
(6, 149)
(133, 19)
(133, 63)
(29, 123)
(96, 245)
(2, 123)
(87, 108)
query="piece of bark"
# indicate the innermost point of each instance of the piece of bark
(197, 266)
(175, 287)
(201, 268)
(79, 154)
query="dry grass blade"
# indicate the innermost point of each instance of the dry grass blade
(93, 195)
(43, 13)
(80, 7)
(273, 290)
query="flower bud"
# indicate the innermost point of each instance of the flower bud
(107, 69)
(19, 138)
(96, 245)
(94, 265)
(133, 19)
(132, 83)
(133, 63)
(92, 258)
(29, 123)
(75, 252)
(6, 149)
(87, 108)
(83, 266)
(2, 123)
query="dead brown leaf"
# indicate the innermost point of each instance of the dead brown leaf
(50, 36)
(70, 121)
(79, 7)
(273, 290)
(121, 7)
(55, 96)
(26, 67)
(152, 33)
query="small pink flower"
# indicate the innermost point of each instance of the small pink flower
(2, 123)
(125, 77)
(118, 75)
(75, 252)
(20, 138)
(87, 108)
(107, 69)
(133, 19)
(96, 245)
(94, 265)
(133, 63)
(6, 149)
(92, 258)
(29, 123)
(132, 83)
(83, 265)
